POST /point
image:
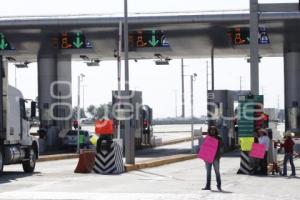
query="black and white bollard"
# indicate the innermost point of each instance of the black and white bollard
(109, 157)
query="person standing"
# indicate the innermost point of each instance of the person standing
(255, 162)
(265, 140)
(213, 132)
(288, 146)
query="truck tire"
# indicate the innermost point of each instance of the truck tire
(1, 162)
(29, 165)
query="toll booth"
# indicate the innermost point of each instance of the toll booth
(222, 113)
(293, 119)
(131, 103)
(293, 124)
(147, 115)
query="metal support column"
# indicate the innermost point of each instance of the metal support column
(78, 114)
(212, 69)
(64, 92)
(129, 137)
(182, 89)
(192, 112)
(119, 77)
(46, 76)
(254, 51)
(1, 99)
(291, 90)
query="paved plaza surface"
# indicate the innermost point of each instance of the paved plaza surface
(184, 180)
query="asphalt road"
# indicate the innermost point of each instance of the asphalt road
(179, 181)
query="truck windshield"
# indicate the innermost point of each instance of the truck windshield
(23, 109)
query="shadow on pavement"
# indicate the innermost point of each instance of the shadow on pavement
(7, 177)
(160, 152)
(292, 177)
(152, 153)
(276, 176)
(223, 191)
(159, 175)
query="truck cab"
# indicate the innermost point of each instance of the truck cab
(17, 146)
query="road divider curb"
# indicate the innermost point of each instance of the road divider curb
(176, 141)
(160, 161)
(57, 157)
(44, 158)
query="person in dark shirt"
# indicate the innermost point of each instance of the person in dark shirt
(213, 132)
(288, 146)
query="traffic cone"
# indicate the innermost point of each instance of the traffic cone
(86, 162)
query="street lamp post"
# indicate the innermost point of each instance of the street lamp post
(192, 78)
(182, 90)
(175, 93)
(78, 112)
(15, 76)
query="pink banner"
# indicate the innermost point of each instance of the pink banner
(258, 151)
(208, 149)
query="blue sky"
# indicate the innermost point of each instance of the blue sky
(158, 83)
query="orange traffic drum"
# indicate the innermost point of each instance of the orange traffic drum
(104, 127)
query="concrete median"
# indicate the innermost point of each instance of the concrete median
(160, 161)
(176, 141)
(54, 157)
(140, 165)
(44, 158)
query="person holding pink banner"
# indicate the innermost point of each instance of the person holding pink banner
(265, 140)
(213, 132)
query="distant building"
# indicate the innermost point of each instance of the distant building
(275, 114)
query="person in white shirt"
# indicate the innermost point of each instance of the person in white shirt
(265, 140)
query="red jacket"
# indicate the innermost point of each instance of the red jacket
(288, 146)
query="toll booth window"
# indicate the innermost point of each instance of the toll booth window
(23, 109)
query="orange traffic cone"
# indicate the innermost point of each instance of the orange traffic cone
(86, 161)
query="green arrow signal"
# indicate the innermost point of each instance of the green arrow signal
(3, 44)
(78, 43)
(153, 40)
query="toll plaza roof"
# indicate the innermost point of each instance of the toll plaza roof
(190, 35)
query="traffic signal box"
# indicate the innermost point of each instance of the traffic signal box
(250, 118)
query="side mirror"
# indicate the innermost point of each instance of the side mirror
(33, 109)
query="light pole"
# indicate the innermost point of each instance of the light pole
(119, 79)
(175, 96)
(80, 78)
(126, 46)
(193, 78)
(83, 86)
(83, 97)
(15, 76)
(240, 83)
(182, 89)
